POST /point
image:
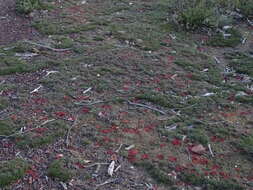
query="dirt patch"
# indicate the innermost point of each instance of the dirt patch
(14, 27)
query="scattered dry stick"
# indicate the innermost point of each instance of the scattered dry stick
(69, 130)
(146, 106)
(88, 104)
(95, 164)
(46, 47)
(210, 150)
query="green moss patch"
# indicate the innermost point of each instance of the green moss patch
(12, 170)
(6, 128)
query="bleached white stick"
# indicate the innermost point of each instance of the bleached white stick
(210, 150)
(36, 89)
(87, 90)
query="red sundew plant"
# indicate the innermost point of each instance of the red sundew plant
(172, 158)
(132, 155)
(160, 157)
(243, 113)
(40, 101)
(180, 168)
(60, 114)
(125, 121)
(130, 130)
(170, 59)
(106, 131)
(217, 139)
(176, 142)
(110, 152)
(7, 145)
(213, 173)
(215, 167)
(231, 97)
(224, 175)
(106, 107)
(85, 110)
(80, 98)
(199, 160)
(149, 128)
(40, 130)
(79, 165)
(33, 173)
(162, 145)
(144, 156)
(106, 140)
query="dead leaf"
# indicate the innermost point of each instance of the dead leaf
(199, 149)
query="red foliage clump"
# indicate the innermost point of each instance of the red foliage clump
(176, 142)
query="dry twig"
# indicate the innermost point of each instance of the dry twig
(210, 150)
(69, 130)
(106, 182)
(46, 47)
(146, 106)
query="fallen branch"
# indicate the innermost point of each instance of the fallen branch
(69, 130)
(46, 47)
(106, 182)
(118, 149)
(146, 106)
(87, 90)
(89, 104)
(36, 89)
(95, 164)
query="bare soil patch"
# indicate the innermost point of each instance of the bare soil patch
(14, 27)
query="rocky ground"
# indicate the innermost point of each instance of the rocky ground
(109, 95)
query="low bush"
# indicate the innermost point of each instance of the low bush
(27, 6)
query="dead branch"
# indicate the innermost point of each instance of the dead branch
(69, 130)
(46, 47)
(95, 164)
(118, 149)
(146, 106)
(106, 182)
(88, 104)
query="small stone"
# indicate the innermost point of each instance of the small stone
(198, 149)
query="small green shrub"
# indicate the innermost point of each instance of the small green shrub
(157, 174)
(12, 170)
(230, 41)
(3, 103)
(57, 170)
(27, 6)
(194, 14)
(210, 184)
(246, 144)
(241, 62)
(6, 128)
(195, 17)
(245, 7)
